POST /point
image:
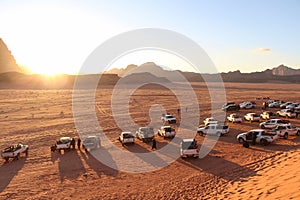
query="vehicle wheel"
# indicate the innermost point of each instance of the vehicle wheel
(201, 133)
(219, 134)
(298, 133)
(246, 145)
(6, 159)
(143, 140)
(26, 152)
(263, 126)
(264, 142)
(241, 140)
(18, 156)
(286, 135)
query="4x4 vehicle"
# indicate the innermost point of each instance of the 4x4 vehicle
(189, 147)
(146, 134)
(272, 123)
(234, 118)
(166, 118)
(91, 142)
(248, 105)
(266, 114)
(64, 143)
(210, 120)
(286, 113)
(213, 129)
(259, 135)
(285, 130)
(252, 117)
(166, 132)
(231, 107)
(14, 151)
(126, 137)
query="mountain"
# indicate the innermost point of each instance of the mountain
(282, 70)
(7, 60)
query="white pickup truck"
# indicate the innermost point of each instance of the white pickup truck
(166, 132)
(189, 148)
(167, 118)
(259, 135)
(285, 130)
(126, 137)
(272, 123)
(14, 151)
(213, 129)
(146, 134)
(64, 143)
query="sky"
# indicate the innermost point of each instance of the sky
(57, 36)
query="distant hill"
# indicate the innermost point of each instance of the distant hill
(282, 70)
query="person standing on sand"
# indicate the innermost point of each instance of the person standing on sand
(72, 143)
(78, 143)
(153, 144)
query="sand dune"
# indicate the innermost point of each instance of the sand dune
(230, 171)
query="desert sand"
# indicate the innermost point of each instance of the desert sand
(229, 171)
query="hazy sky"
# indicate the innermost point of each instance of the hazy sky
(57, 36)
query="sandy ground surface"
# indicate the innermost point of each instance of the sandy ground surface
(229, 171)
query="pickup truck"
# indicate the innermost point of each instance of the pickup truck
(91, 142)
(170, 119)
(285, 130)
(234, 118)
(146, 134)
(252, 117)
(166, 132)
(126, 137)
(213, 129)
(260, 135)
(189, 148)
(266, 115)
(210, 120)
(14, 151)
(64, 143)
(272, 123)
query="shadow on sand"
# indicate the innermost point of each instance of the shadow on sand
(9, 170)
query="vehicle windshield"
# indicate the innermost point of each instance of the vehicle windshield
(168, 129)
(169, 116)
(189, 145)
(127, 135)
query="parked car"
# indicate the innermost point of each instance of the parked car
(166, 118)
(210, 120)
(286, 113)
(285, 130)
(64, 143)
(284, 105)
(166, 132)
(231, 107)
(260, 136)
(275, 104)
(14, 151)
(292, 106)
(234, 118)
(272, 123)
(146, 134)
(126, 137)
(252, 117)
(267, 115)
(91, 142)
(189, 148)
(213, 129)
(247, 105)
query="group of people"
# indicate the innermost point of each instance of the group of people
(73, 143)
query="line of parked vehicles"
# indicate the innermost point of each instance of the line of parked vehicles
(270, 130)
